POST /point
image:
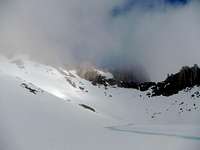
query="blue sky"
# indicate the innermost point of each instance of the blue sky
(128, 5)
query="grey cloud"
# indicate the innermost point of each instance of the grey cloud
(75, 31)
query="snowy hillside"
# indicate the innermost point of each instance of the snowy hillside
(42, 107)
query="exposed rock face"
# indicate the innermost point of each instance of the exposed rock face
(124, 80)
(186, 77)
(146, 85)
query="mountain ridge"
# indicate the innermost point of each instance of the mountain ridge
(187, 77)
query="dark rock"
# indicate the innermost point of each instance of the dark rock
(87, 107)
(32, 90)
(70, 82)
(146, 85)
(81, 88)
(187, 77)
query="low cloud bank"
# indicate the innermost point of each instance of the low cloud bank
(155, 38)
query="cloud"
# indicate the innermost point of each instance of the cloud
(159, 40)
(162, 39)
(55, 28)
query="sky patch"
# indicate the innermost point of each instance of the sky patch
(128, 5)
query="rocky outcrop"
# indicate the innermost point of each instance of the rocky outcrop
(120, 80)
(92, 75)
(186, 77)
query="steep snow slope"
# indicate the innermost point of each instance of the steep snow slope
(39, 109)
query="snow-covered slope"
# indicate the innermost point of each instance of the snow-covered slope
(42, 107)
